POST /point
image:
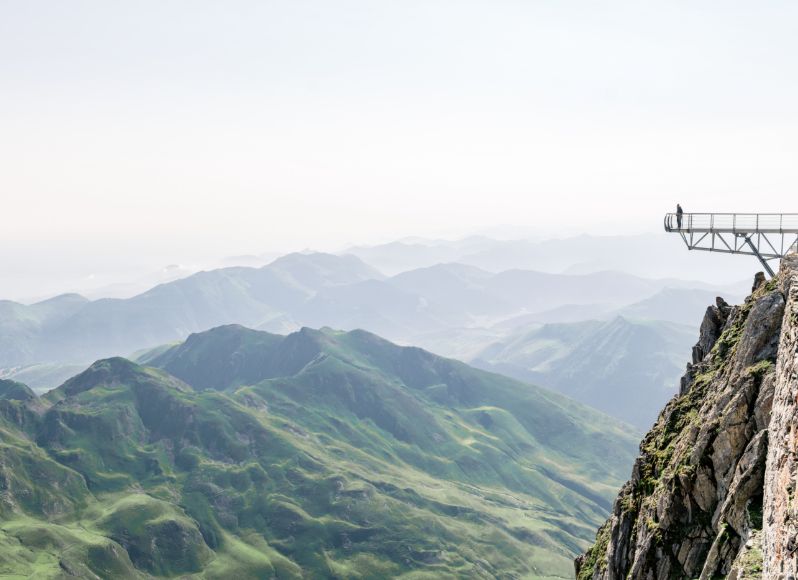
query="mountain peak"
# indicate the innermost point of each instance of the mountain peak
(101, 372)
(69, 297)
(232, 355)
(112, 372)
(15, 391)
(318, 268)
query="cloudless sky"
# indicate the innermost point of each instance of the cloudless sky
(160, 131)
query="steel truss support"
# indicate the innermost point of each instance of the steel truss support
(764, 263)
(767, 236)
(764, 246)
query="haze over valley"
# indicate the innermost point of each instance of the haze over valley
(522, 322)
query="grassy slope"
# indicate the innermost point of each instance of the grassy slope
(351, 458)
(629, 368)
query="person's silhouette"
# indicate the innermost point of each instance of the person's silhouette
(679, 212)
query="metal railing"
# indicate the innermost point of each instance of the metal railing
(768, 236)
(771, 223)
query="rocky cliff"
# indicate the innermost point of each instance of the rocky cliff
(711, 494)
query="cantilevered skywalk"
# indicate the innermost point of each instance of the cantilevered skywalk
(768, 236)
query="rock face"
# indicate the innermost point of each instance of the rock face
(711, 494)
(780, 526)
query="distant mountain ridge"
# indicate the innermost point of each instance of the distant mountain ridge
(70, 328)
(621, 366)
(296, 290)
(318, 454)
(644, 255)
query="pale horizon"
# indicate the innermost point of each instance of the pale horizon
(141, 135)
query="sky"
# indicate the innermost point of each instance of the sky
(139, 134)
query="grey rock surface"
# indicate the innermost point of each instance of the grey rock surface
(712, 493)
(780, 530)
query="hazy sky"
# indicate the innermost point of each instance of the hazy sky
(169, 130)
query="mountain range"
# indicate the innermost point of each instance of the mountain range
(243, 454)
(451, 309)
(644, 255)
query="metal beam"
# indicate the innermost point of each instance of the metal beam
(765, 265)
(750, 234)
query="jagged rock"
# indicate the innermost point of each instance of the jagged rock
(759, 279)
(722, 453)
(747, 483)
(760, 338)
(716, 319)
(711, 327)
(764, 402)
(780, 513)
(722, 306)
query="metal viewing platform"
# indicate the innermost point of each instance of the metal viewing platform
(768, 236)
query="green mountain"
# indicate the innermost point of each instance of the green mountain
(15, 391)
(626, 368)
(318, 454)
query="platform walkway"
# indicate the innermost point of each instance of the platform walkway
(768, 236)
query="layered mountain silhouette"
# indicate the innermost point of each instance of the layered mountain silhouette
(69, 328)
(628, 368)
(452, 309)
(296, 290)
(317, 454)
(645, 255)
